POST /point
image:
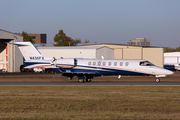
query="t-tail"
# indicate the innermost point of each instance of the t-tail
(28, 51)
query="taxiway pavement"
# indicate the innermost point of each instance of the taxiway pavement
(93, 83)
(44, 79)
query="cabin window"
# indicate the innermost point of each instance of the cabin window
(121, 63)
(146, 63)
(104, 63)
(89, 63)
(99, 63)
(127, 63)
(109, 63)
(115, 63)
(94, 63)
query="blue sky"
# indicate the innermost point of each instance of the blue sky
(101, 21)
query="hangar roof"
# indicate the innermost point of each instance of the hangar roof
(8, 35)
(104, 44)
(172, 54)
(75, 47)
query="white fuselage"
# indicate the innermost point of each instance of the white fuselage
(112, 67)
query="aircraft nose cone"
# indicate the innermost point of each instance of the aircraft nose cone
(169, 72)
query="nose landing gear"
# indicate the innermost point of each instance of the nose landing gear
(157, 80)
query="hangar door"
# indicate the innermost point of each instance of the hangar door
(3, 56)
(132, 53)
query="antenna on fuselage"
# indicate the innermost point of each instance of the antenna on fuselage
(102, 57)
(54, 59)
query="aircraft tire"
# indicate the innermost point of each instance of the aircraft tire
(81, 80)
(88, 79)
(157, 80)
(69, 78)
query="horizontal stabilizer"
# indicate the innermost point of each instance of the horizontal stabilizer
(21, 43)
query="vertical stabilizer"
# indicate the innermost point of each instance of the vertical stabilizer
(28, 51)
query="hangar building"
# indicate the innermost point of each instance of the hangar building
(111, 51)
(10, 56)
(172, 57)
(77, 52)
(153, 54)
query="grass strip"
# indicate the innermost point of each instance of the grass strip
(89, 102)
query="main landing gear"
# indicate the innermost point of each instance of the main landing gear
(83, 79)
(157, 80)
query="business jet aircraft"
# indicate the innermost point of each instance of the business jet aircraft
(86, 69)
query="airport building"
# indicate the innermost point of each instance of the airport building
(153, 54)
(172, 57)
(108, 51)
(172, 60)
(139, 42)
(38, 38)
(10, 56)
(77, 52)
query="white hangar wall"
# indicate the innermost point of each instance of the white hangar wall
(77, 52)
(10, 55)
(171, 57)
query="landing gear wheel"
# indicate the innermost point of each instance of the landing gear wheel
(81, 80)
(88, 79)
(3, 70)
(157, 80)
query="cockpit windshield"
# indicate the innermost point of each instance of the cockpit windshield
(146, 63)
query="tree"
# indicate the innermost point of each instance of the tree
(62, 40)
(178, 49)
(76, 41)
(86, 40)
(26, 37)
(167, 49)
